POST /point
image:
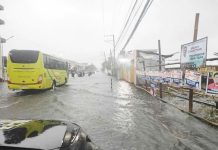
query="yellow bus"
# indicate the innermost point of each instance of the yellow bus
(31, 69)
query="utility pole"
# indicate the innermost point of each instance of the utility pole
(114, 62)
(159, 48)
(105, 61)
(191, 92)
(196, 27)
(1, 51)
(2, 41)
(111, 69)
(114, 52)
(111, 57)
(160, 63)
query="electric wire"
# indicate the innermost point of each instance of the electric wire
(127, 21)
(133, 19)
(144, 11)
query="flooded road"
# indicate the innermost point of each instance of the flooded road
(122, 118)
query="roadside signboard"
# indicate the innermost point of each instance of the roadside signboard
(193, 79)
(212, 83)
(176, 77)
(194, 55)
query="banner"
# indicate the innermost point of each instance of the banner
(194, 55)
(176, 77)
(166, 76)
(212, 83)
(193, 79)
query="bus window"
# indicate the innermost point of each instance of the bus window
(45, 61)
(53, 63)
(23, 56)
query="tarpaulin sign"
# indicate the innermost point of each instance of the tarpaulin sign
(194, 55)
(166, 76)
(176, 77)
(193, 79)
(212, 83)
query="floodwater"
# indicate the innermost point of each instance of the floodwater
(121, 118)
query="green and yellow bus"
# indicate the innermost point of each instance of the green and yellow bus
(34, 70)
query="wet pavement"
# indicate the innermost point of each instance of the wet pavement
(122, 118)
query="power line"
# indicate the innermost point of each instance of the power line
(144, 11)
(129, 10)
(147, 8)
(132, 19)
(127, 21)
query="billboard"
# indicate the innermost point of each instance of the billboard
(212, 83)
(193, 79)
(194, 55)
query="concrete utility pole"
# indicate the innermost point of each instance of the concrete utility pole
(113, 57)
(191, 92)
(3, 63)
(160, 69)
(196, 27)
(2, 40)
(105, 61)
(112, 71)
(159, 48)
(1, 51)
(114, 62)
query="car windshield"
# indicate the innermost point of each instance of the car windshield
(133, 74)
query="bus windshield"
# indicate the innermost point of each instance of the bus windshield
(24, 56)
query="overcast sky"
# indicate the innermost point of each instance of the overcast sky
(75, 29)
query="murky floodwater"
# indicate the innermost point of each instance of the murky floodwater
(122, 118)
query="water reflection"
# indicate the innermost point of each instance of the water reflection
(17, 131)
(123, 117)
(124, 89)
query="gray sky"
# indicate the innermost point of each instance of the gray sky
(75, 29)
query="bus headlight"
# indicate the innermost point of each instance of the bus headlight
(40, 79)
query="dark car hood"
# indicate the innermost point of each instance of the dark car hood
(36, 134)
